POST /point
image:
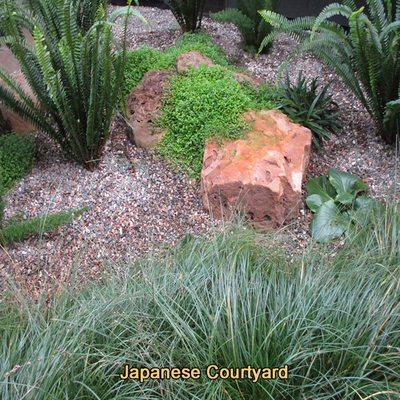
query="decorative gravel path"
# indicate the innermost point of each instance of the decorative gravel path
(136, 204)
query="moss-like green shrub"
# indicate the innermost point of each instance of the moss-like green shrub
(147, 59)
(16, 158)
(205, 102)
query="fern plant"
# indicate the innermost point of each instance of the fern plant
(188, 13)
(366, 57)
(75, 75)
(310, 105)
(250, 23)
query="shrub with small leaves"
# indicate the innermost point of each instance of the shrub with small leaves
(5, 126)
(307, 104)
(17, 154)
(205, 102)
(147, 59)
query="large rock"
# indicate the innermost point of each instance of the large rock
(192, 59)
(18, 124)
(260, 175)
(143, 108)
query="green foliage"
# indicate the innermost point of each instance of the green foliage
(16, 231)
(5, 126)
(246, 17)
(310, 106)
(233, 301)
(17, 154)
(335, 200)
(206, 102)
(367, 57)
(147, 59)
(76, 75)
(188, 13)
(48, 13)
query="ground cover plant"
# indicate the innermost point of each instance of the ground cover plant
(366, 57)
(310, 105)
(234, 300)
(74, 71)
(204, 103)
(188, 13)
(246, 17)
(17, 154)
(4, 125)
(147, 59)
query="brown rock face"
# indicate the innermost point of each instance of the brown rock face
(18, 124)
(260, 175)
(143, 108)
(191, 59)
(242, 77)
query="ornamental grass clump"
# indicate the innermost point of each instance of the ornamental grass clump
(366, 56)
(236, 300)
(74, 71)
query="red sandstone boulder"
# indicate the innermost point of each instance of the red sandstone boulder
(260, 175)
(143, 108)
(192, 59)
(18, 124)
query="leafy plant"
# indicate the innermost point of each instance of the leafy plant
(334, 199)
(76, 76)
(246, 17)
(234, 300)
(310, 106)
(17, 154)
(206, 102)
(147, 59)
(188, 13)
(366, 57)
(5, 126)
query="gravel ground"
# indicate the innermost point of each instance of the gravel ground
(136, 204)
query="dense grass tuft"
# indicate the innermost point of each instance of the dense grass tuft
(234, 301)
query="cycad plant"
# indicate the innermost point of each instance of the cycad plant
(366, 57)
(74, 71)
(188, 13)
(249, 21)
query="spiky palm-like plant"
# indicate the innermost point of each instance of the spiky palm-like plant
(250, 23)
(74, 71)
(188, 13)
(366, 57)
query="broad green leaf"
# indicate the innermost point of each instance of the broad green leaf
(345, 198)
(322, 187)
(364, 208)
(346, 183)
(329, 223)
(314, 202)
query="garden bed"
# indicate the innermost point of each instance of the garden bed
(137, 204)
